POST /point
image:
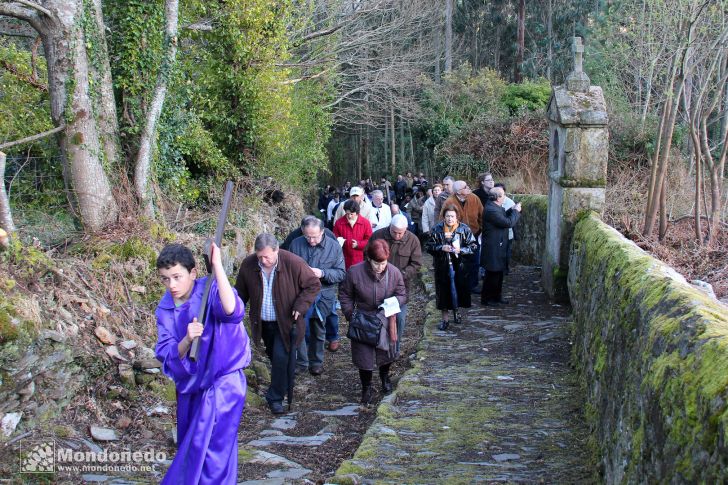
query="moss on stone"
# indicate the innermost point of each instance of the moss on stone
(572, 182)
(656, 349)
(165, 389)
(348, 468)
(244, 454)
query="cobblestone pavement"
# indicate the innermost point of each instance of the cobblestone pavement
(491, 400)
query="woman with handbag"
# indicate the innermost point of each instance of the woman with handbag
(373, 336)
(452, 245)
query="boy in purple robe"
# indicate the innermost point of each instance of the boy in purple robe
(211, 390)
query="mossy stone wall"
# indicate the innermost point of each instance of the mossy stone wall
(652, 355)
(531, 229)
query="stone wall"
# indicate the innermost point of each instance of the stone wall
(531, 229)
(652, 355)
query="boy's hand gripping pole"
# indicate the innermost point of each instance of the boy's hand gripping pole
(194, 349)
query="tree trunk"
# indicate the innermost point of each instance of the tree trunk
(393, 141)
(144, 156)
(438, 49)
(401, 143)
(6, 215)
(448, 35)
(106, 107)
(366, 152)
(61, 26)
(550, 35)
(412, 147)
(520, 42)
(497, 50)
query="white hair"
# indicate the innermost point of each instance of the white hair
(459, 185)
(399, 221)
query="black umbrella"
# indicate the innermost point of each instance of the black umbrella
(453, 286)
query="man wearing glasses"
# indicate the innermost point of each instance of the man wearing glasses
(326, 259)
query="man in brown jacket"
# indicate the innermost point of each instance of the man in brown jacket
(280, 287)
(471, 213)
(405, 254)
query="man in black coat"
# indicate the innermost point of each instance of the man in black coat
(494, 253)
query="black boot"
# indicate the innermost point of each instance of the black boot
(366, 395)
(456, 317)
(386, 382)
(443, 325)
(366, 386)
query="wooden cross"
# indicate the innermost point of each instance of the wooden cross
(577, 48)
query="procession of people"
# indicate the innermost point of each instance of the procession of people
(361, 257)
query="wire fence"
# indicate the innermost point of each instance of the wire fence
(38, 199)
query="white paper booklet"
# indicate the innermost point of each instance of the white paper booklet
(390, 306)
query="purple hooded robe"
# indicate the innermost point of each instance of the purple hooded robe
(210, 392)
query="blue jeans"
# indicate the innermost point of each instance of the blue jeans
(401, 321)
(332, 325)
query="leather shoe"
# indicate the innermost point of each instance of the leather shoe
(443, 325)
(276, 408)
(316, 370)
(333, 346)
(501, 301)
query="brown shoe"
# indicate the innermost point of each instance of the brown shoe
(334, 346)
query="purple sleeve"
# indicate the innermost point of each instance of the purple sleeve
(218, 312)
(167, 352)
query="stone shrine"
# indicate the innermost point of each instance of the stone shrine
(578, 152)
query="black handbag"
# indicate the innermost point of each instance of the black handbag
(364, 328)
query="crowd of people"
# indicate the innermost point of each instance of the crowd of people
(367, 242)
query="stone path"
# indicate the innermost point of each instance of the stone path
(493, 400)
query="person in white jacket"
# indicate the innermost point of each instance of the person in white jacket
(380, 214)
(428, 209)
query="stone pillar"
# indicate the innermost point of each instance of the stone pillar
(578, 152)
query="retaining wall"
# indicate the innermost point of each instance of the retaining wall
(652, 355)
(531, 229)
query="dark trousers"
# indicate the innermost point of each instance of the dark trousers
(475, 269)
(492, 286)
(278, 355)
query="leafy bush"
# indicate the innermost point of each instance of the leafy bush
(527, 96)
(458, 101)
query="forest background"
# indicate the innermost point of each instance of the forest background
(152, 104)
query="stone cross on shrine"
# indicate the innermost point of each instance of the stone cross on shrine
(578, 153)
(577, 80)
(577, 48)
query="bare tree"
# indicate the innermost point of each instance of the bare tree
(520, 42)
(86, 126)
(704, 106)
(448, 35)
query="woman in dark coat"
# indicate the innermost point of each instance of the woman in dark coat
(451, 243)
(366, 286)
